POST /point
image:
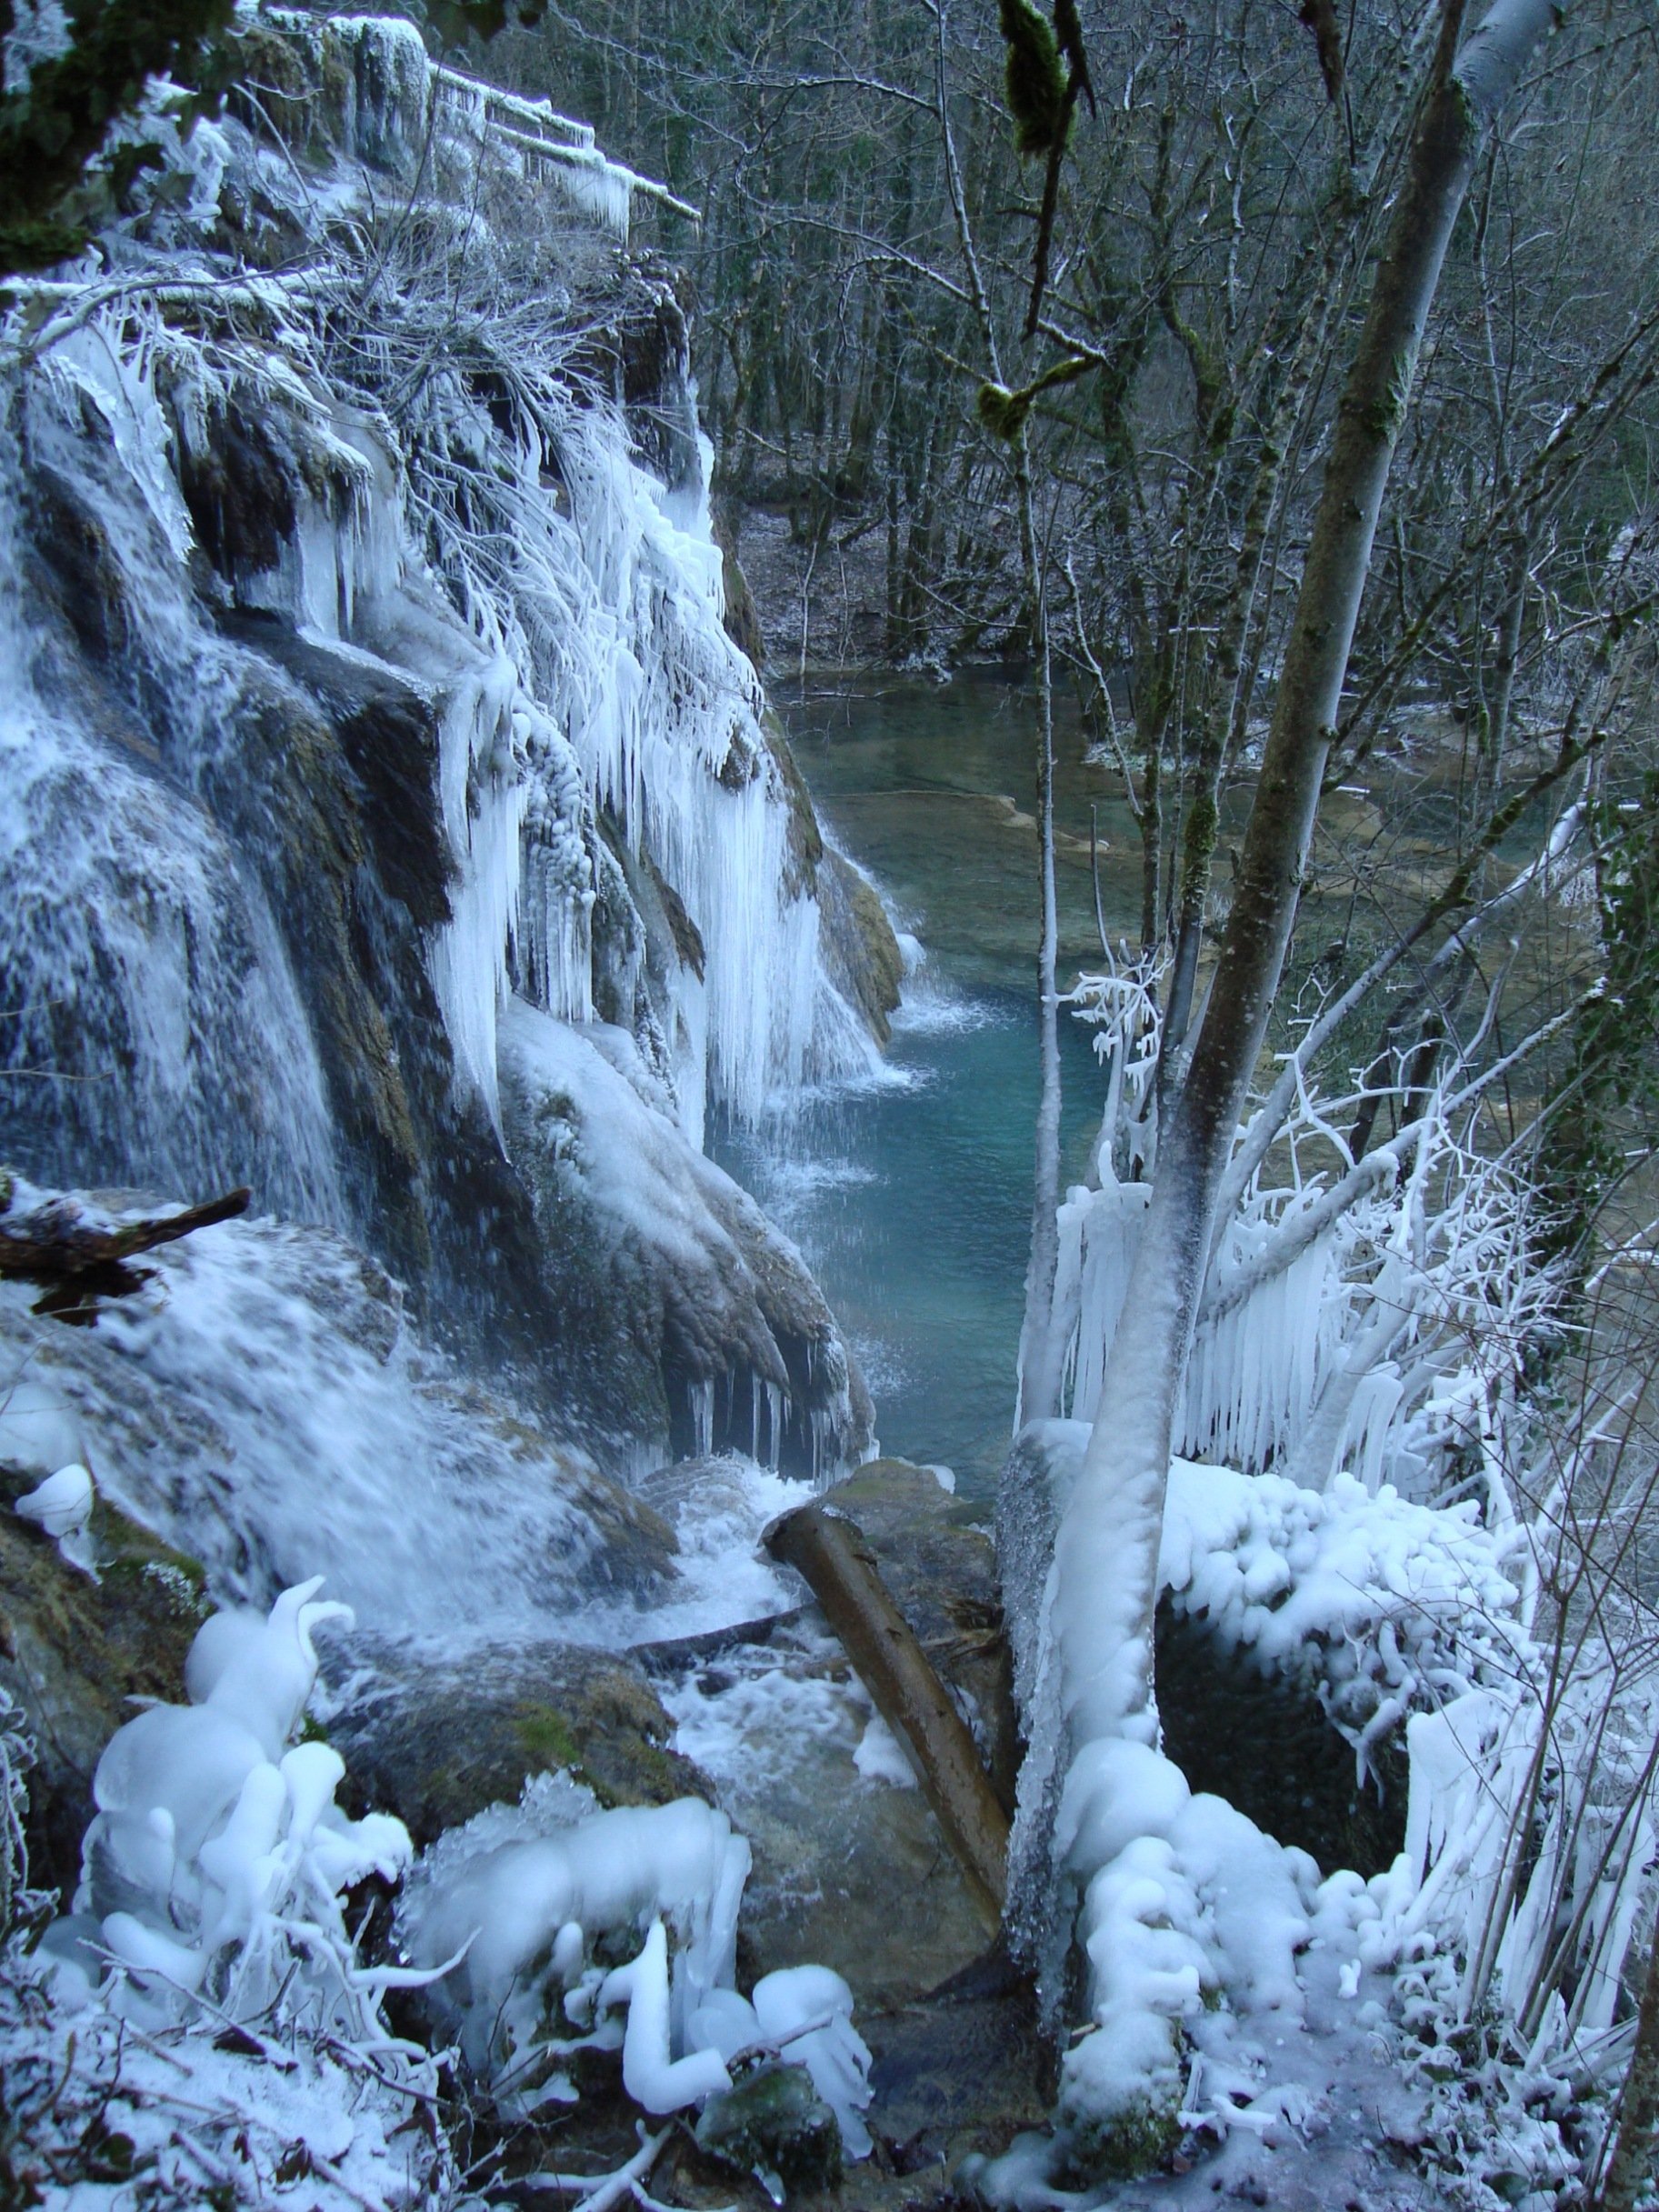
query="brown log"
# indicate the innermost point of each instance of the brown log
(830, 1552)
(79, 1263)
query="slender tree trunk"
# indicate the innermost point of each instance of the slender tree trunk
(1041, 1351)
(1107, 1549)
(1040, 1354)
(1631, 2165)
(1229, 702)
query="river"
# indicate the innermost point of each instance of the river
(910, 1194)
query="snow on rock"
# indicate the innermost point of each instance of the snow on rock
(1185, 1905)
(1192, 1919)
(62, 1504)
(1386, 1604)
(723, 1302)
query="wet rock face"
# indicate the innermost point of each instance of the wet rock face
(860, 953)
(436, 1742)
(1263, 1742)
(73, 1650)
(706, 1318)
(963, 2068)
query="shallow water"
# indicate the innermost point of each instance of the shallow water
(911, 1195)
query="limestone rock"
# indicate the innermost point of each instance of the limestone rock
(437, 1741)
(711, 1308)
(74, 1649)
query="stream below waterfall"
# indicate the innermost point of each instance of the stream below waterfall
(909, 1193)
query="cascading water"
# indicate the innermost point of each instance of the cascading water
(367, 701)
(144, 971)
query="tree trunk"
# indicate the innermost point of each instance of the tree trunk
(1042, 1352)
(1108, 1541)
(1631, 2165)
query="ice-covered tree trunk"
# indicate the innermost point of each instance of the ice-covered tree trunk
(1105, 1575)
(1042, 1344)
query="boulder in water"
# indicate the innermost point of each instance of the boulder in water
(712, 1308)
(436, 1740)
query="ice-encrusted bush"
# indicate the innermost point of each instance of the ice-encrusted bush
(580, 1929)
(19, 1904)
(200, 2023)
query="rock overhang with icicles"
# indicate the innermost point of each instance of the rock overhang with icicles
(374, 777)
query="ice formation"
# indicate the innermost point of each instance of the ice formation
(62, 1504)
(1364, 1315)
(529, 1893)
(305, 509)
(217, 1843)
(202, 2014)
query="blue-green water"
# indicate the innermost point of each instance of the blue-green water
(911, 1196)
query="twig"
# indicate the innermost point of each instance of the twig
(613, 2187)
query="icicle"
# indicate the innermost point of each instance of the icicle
(703, 1418)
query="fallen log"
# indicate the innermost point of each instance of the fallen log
(831, 1555)
(78, 1262)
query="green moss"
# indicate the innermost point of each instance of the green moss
(1132, 2143)
(546, 1737)
(1034, 78)
(773, 2121)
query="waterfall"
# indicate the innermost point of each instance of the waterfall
(366, 684)
(143, 971)
(236, 526)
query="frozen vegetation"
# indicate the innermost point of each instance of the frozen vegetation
(388, 822)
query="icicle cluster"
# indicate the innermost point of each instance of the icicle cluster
(450, 493)
(1378, 1328)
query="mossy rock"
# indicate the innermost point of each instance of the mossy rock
(439, 1742)
(774, 2122)
(75, 1650)
(1132, 2143)
(860, 950)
